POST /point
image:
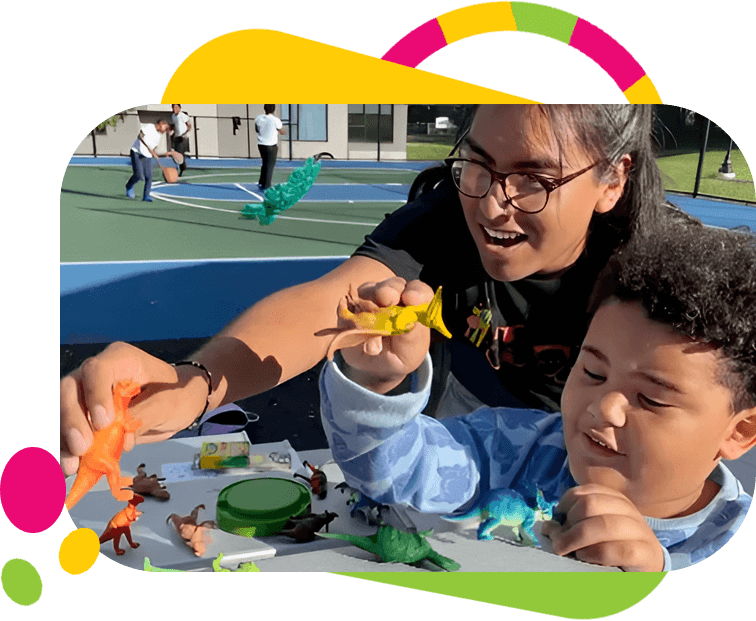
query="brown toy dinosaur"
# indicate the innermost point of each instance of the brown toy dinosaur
(194, 535)
(121, 525)
(103, 456)
(149, 485)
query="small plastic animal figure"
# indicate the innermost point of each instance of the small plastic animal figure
(121, 525)
(103, 456)
(506, 507)
(149, 485)
(216, 566)
(317, 481)
(282, 196)
(303, 528)
(396, 546)
(385, 321)
(194, 535)
(250, 566)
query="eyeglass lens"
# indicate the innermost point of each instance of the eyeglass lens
(523, 191)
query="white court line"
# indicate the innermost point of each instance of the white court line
(167, 199)
(241, 187)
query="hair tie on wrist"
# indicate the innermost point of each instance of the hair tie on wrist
(202, 368)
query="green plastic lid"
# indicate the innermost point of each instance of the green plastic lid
(263, 504)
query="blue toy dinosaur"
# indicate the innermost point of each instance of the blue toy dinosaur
(507, 507)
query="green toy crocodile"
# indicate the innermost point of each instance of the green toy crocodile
(395, 546)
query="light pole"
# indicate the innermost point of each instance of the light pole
(725, 170)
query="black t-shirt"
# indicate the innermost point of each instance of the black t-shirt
(513, 343)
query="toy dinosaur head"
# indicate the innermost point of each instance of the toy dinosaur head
(127, 388)
(137, 499)
(544, 510)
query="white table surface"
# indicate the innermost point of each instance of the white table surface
(161, 544)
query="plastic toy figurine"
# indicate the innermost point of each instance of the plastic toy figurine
(317, 481)
(216, 566)
(194, 535)
(150, 567)
(103, 456)
(149, 485)
(303, 528)
(396, 546)
(374, 321)
(121, 525)
(250, 566)
(506, 507)
(282, 196)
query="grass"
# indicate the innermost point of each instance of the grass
(425, 152)
(680, 174)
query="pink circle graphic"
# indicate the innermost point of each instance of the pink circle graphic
(32, 490)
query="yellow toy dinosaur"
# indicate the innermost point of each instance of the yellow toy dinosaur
(103, 456)
(388, 321)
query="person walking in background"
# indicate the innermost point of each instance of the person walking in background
(268, 127)
(181, 127)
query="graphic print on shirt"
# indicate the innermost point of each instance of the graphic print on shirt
(511, 345)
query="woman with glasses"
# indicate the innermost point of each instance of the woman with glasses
(525, 213)
(530, 205)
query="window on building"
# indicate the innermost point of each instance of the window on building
(364, 122)
(308, 122)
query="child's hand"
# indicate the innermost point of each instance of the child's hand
(602, 526)
(380, 363)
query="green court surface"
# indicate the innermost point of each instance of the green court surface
(99, 223)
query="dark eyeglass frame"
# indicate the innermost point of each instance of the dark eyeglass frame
(547, 183)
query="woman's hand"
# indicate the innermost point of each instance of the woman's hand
(171, 398)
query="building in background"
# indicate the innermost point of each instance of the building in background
(347, 131)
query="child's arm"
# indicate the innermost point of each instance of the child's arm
(602, 526)
(391, 454)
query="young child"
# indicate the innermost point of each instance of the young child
(664, 388)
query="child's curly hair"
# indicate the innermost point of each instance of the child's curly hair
(701, 282)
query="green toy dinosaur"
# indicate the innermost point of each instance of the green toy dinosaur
(282, 196)
(396, 546)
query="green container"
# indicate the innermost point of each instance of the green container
(260, 507)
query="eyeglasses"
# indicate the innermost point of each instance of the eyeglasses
(526, 192)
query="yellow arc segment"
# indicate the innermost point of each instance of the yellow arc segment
(477, 19)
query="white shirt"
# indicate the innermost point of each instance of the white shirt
(151, 137)
(179, 123)
(267, 126)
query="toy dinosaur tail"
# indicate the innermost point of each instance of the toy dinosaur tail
(366, 543)
(433, 315)
(85, 480)
(470, 513)
(443, 562)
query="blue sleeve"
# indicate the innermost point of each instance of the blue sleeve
(395, 455)
(691, 539)
(389, 451)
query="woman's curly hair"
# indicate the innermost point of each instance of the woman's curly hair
(701, 282)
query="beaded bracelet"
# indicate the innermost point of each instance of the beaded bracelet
(202, 368)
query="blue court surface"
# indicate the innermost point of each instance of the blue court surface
(715, 212)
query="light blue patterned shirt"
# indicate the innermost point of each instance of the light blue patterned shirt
(394, 455)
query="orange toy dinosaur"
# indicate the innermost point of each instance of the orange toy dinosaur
(121, 525)
(107, 446)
